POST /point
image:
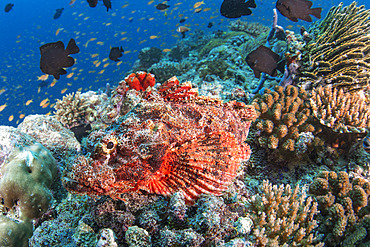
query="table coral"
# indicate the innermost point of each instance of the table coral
(343, 112)
(344, 208)
(283, 217)
(338, 53)
(282, 115)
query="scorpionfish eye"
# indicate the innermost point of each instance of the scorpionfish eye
(110, 146)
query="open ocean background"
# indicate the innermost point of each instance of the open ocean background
(30, 24)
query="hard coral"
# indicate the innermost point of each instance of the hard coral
(26, 178)
(344, 209)
(76, 109)
(149, 56)
(343, 112)
(254, 29)
(339, 53)
(282, 116)
(282, 217)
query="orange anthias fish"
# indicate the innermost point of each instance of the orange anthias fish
(173, 140)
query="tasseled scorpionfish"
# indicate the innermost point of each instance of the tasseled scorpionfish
(173, 140)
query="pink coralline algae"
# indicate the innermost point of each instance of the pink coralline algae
(173, 140)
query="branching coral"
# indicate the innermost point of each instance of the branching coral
(74, 110)
(282, 217)
(339, 53)
(341, 111)
(344, 209)
(282, 116)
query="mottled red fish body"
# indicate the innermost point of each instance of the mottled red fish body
(174, 140)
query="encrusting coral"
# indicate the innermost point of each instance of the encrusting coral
(343, 112)
(339, 51)
(283, 217)
(344, 210)
(282, 116)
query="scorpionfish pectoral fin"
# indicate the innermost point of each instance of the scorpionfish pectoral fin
(207, 164)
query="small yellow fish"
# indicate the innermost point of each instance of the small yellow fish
(105, 59)
(100, 43)
(44, 102)
(197, 10)
(63, 91)
(58, 31)
(197, 4)
(153, 37)
(105, 65)
(94, 55)
(166, 50)
(11, 118)
(43, 77)
(126, 52)
(119, 63)
(45, 105)
(29, 101)
(206, 9)
(97, 64)
(52, 84)
(21, 116)
(150, 2)
(2, 107)
(101, 72)
(124, 6)
(70, 75)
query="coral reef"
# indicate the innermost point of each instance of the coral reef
(71, 227)
(254, 29)
(283, 115)
(338, 52)
(60, 141)
(148, 56)
(343, 112)
(136, 236)
(344, 210)
(281, 216)
(12, 139)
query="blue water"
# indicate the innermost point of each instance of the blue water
(30, 24)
